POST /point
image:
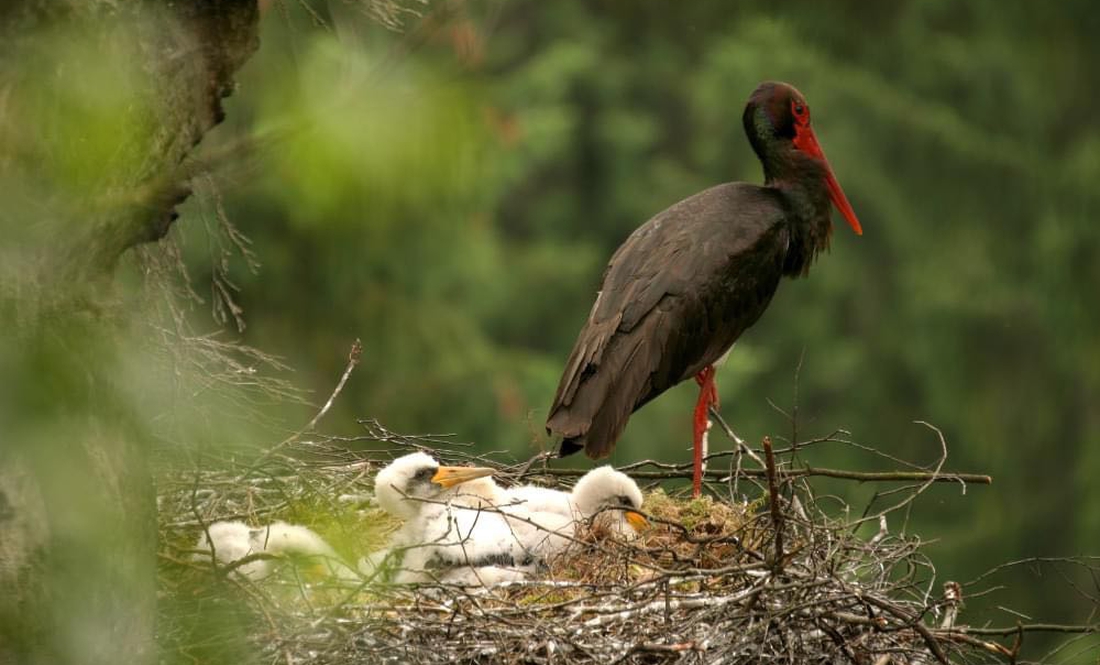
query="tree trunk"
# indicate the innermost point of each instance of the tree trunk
(77, 509)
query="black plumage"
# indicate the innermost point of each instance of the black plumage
(685, 285)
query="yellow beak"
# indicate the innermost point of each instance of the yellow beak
(636, 520)
(449, 476)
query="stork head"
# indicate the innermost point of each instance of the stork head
(777, 122)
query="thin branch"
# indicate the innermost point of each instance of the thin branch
(773, 501)
(912, 621)
(353, 359)
(1085, 629)
(861, 476)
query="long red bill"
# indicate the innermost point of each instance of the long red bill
(805, 141)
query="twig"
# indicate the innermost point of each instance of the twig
(912, 621)
(952, 598)
(861, 476)
(710, 602)
(907, 501)
(1084, 629)
(245, 560)
(261, 604)
(194, 501)
(1017, 643)
(773, 500)
(991, 647)
(1086, 561)
(738, 442)
(353, 360)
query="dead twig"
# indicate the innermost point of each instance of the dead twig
(353, 360)
(806, 472)
(773, 501)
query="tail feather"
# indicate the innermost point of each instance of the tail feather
(606, 394)
(570, 446)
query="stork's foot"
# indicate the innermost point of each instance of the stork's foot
(708, 397)
(708, 389)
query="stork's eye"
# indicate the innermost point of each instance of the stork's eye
(424, 474)
(625, 501)
(799, 109)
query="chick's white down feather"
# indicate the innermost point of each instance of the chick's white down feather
(484, 523)
(395, 485)
(231, 542)
(602, 492)
(234, 540)
(542, 499)
(462, 534)
(477, 531)
(471, 533)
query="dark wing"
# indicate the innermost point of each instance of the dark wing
(674, 297)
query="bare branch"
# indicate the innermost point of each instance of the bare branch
(353, 360)
(860, 476)
(773, 502)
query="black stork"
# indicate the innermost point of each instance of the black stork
(683, 287)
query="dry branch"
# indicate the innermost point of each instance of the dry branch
(353, 359)
(1080, 629)
(773, 502)
(805, 472)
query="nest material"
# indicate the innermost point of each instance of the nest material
(705, 583)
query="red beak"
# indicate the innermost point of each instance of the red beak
(805, 141)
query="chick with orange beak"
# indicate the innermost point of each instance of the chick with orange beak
(460, 526)
(609, 498)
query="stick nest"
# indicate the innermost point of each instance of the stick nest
(719, 579)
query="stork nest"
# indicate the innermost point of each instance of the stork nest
(745, 574)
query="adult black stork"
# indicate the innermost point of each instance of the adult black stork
(685, 285)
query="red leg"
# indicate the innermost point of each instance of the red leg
(708, 397)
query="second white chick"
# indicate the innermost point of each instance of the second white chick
(458, 528)
(234, 540)
(231, 542)
(610, 496)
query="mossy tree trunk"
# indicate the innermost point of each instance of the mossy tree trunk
(77, 508)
